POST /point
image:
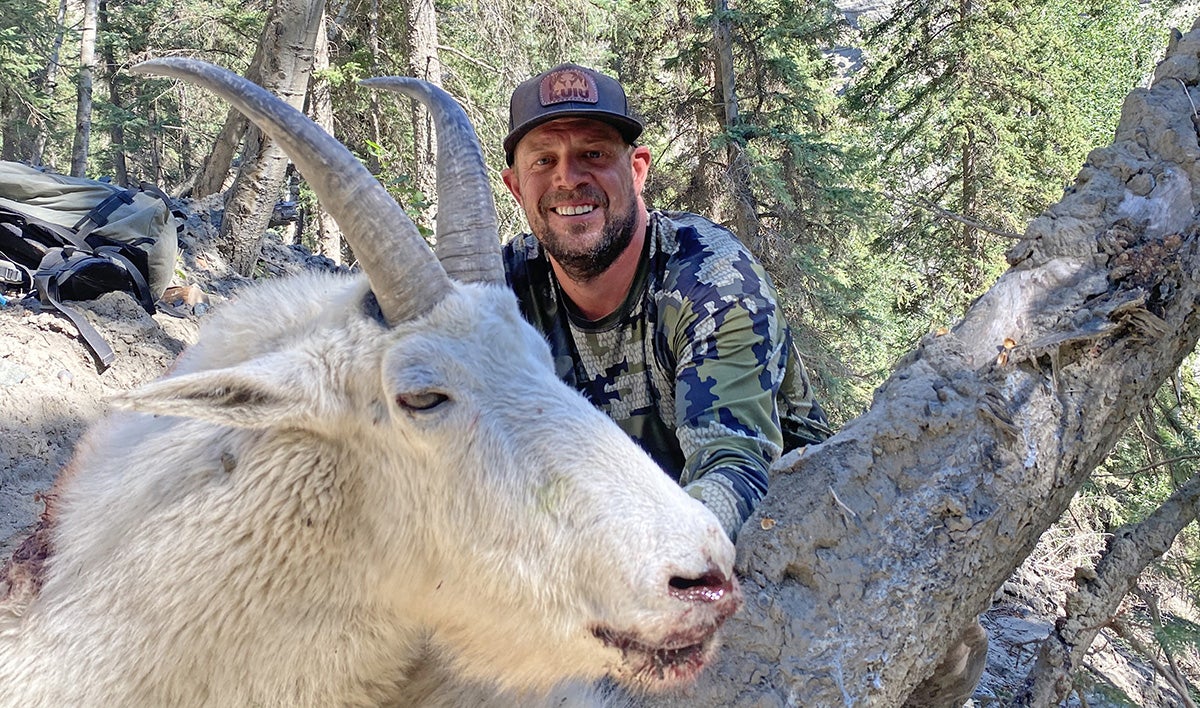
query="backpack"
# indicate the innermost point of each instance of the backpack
(70, 238)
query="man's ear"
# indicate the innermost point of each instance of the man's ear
(640, 161)
(510, 180)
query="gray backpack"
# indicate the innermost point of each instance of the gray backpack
(69, 238)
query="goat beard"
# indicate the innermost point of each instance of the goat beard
(615, 236)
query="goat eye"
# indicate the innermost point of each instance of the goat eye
(421, 400)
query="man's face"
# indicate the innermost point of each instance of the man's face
(579, 184)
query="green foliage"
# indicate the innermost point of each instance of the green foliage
(1178, 635)
(1151, 461)
(26, 35)
(984, 110)
(399, 182)
(803, 176)
(151, 114)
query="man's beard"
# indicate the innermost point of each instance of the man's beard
(615, 236)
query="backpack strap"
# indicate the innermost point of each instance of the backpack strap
(57, 266)
(68, 237)
(142, 288)
(153, 190)
(98, 216)
(13, 273)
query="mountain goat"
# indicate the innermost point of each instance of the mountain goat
(346, 481)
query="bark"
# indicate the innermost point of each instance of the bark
(15, 142)
(156, 147)
(117, 131)
(49, 81)
(420, 43)
(320, 109)
(872, 548)
(215, 173)
(287, 60)
(972, 277)
(375, 112)
(1094, 603)
(737, 170)
(83, 110)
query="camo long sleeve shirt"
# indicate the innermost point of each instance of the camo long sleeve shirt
(697, 365)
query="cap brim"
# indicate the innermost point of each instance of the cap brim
(629, 128)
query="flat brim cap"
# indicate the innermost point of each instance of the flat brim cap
(568, 91)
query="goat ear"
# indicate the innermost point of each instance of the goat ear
(256, 394)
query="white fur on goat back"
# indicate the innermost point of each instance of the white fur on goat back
(312, 504)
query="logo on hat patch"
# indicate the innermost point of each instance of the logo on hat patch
(568, 85)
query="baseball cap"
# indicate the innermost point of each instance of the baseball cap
(568, 90)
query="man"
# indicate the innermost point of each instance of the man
(663, 320)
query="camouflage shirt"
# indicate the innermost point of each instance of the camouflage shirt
(697, 364)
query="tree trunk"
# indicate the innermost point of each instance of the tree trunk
(737, 170)
(286, 66)
(320, 108)
(1100, 593)
(969, 208)
(117, 131)
(49, 79)
(872, 548)
(373, 96)
(420, 42)
(968, 174)
(83, 111)
(156, 146)
(16, 142)
(215, 172)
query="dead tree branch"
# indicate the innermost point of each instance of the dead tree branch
(965, 458)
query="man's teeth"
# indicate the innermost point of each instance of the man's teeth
(574, 210)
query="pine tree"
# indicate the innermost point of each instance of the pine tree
(979, 110)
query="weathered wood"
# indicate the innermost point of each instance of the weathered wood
(873, 548)
(1095, 602)
(286, 65)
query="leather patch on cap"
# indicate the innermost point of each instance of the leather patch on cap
(568, 85)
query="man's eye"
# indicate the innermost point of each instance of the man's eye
(593, 154)
(421, 400)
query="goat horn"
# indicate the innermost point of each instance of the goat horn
(404, 274)
(467, 231)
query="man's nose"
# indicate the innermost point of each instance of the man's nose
(568, 173)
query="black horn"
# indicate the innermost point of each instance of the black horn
(404, 274)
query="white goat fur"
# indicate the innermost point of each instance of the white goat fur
(268, 526)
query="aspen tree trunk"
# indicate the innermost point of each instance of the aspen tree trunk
(320, 109)
(420, 43)
(49, 81)
(83, 112)
(873, 548)
(215, 172)
(287, 60)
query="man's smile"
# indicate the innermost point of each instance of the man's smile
(574, 209)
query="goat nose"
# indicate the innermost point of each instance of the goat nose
(710, 586)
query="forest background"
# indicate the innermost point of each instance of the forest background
(880, 159)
